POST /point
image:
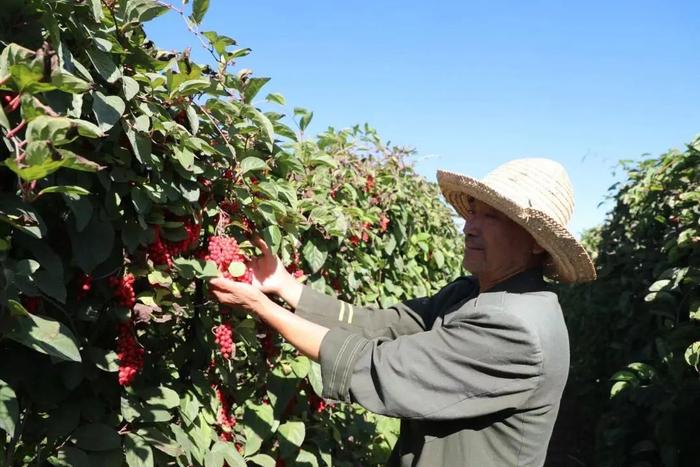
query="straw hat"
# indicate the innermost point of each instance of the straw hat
(537, 194)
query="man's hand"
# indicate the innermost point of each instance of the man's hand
(238, 294)
(302, 334)
(270, 276)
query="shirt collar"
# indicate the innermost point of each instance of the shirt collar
(530, 280)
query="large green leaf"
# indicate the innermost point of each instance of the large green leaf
(223, 453)
(44, 335)
(315, 253)
(138, 452)
(93, 245)
(260, 424)
(9, 409)
(107, 109)
(291, 435)
(199, 9)
(96, 437)
(252, 164)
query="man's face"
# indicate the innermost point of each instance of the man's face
(495, 246)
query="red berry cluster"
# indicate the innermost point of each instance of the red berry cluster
(224, 251)
(224, 417)
(31, 304)
(383, 223)
(84, 285)
(369, 184)
(124, 290)
(295, 267)
(316, 403)
(231, 207)
(129, 353)
(162, 252)
(223, 336)
(270, 350)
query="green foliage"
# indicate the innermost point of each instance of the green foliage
(112, 148)
(635, 332)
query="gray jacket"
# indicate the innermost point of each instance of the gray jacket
(475, 378)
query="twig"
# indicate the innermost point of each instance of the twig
(11, 134)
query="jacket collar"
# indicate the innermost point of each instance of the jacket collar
(530, 280)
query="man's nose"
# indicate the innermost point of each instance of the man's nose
(471, 227)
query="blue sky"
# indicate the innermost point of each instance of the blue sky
(472, 84)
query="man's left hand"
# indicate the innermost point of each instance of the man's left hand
(238, 294)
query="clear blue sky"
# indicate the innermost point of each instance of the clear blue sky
(472, 84)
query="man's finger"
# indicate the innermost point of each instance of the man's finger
(223, 283)
(260, 243)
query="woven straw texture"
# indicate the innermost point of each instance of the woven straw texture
(537, 194)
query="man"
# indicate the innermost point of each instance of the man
(476, 371)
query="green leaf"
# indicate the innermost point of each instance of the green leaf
(68, 82)
(305, 117)
(306, 459)
(96, 437)
(93, 245)
(315, 379)
(301, 366)
(199, 9)
(315, 253)
(273, 237)
(191, 268)
(71, 190)
(104, 65)
(223, 453)
(138, 453)
(105, 360)
(275, 98)
(107, 109)
(160, 397)
(44, 335)
(191, 86)
(130, 87)
(193, 119)
(692, 354)
(252, 87)
(69, 456)
(291, 435)
(252, 164)
(259, 424)
(263, 460)
(439, 258)
(9, 409)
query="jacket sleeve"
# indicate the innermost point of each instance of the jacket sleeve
(472, 366)
(403, 318)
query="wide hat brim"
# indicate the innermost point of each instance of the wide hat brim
(569, 262)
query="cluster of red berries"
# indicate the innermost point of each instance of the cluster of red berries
(295, 267)
(316, 403)
(124, 290)
(224, 417)
(129, 353)
(223, 336)
(162, 252)
(269, 349)
(230, 207)
(31, 304)
(383, 223)
(369, 184)
(224, 251)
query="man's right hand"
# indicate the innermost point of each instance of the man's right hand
(270, 276)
